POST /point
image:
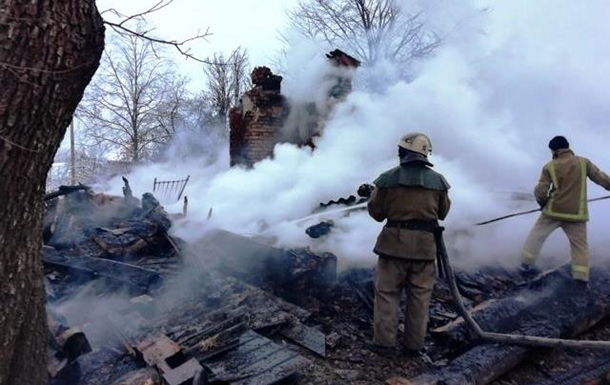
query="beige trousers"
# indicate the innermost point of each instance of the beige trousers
(417, 278)
(577, 235)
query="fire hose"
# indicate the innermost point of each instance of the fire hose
(530, 212)
(514, 339)
(446, 271)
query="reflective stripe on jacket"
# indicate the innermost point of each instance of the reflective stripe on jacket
(562, 188)
(568, 200)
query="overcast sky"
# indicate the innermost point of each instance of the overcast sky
(253, 24)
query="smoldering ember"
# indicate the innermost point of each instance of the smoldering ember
(287, 222)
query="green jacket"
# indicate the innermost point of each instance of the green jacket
(409, 191)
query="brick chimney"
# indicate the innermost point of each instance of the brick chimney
(256, 122)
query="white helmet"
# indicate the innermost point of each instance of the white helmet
(416, 142)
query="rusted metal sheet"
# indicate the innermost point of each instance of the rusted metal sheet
(256, 361)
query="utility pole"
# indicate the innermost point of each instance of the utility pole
(72, 157)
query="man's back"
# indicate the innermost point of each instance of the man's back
(562, 193)
(409, 192)
(567, 174)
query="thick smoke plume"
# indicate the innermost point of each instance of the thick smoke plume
(506, 79)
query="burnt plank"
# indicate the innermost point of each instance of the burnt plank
(140, 279)
(551, 306)
(518, 306)
(256, 360)
(307, 337)
(596, 372)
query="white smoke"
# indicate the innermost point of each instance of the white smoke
(504, 82)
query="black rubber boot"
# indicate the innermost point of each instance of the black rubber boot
(529, 271)
(420, 354)
(384, 351)
(581, 285)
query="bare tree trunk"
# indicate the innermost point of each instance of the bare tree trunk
(49, 51)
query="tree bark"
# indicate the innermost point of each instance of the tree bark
(49, 50)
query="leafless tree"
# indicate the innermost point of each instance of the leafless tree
(45, 65)
(173, 112)
(370, 30)
(134, 100)
(49, 51)
(226, 80)
(240, 74)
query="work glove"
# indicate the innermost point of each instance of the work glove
(365, 190)
(542, 202)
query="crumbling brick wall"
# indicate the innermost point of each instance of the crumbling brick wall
(256, 122)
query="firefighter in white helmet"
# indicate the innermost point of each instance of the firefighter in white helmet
(411, 198)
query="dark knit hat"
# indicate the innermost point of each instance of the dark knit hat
(558, 143)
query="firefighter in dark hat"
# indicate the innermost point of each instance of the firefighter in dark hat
(562, 194)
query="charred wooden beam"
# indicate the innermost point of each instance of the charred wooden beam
(137, 278)
(597, 372)
(290, 274)
(64, 190)
(505, 314)
(160, 351)
(551, 306)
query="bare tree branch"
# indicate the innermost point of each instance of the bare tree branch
(179, 45)
(371, 30)
(226, 82)
(122, 28)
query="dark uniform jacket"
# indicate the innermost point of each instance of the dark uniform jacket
(409, 191)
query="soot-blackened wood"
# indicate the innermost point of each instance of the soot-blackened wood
(49, 50)
(552, 306)
(293, 274)
(505, 314)
(64, 190)
(136, 278)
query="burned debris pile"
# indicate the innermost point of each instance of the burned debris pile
(131, 304)
(119, 243)
(122, 240)
(177, 313)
